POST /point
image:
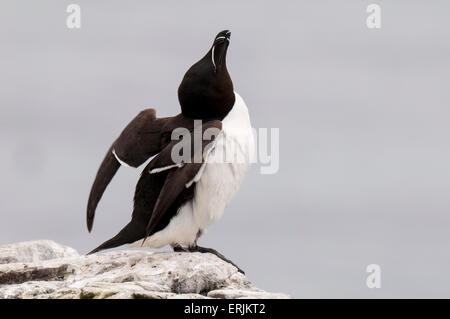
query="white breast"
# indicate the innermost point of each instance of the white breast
(216, 183)
(225, 167)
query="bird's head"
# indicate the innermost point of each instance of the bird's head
(206, 90)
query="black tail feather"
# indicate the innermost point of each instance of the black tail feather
(129, 234)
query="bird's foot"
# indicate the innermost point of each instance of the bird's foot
(214, 252)
(179, 249)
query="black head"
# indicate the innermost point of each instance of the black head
(206, 90)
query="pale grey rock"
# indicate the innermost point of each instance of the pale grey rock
(34, 251)
(53, 271)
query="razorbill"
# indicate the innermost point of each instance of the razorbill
(175, 202)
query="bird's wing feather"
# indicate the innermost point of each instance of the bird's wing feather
(140, 140)
(179, 175)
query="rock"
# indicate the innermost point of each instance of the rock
(34, 251)
(45, 269)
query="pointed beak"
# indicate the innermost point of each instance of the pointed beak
(219, 48)
(222, 36)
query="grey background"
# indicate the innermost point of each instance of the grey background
(363, 117)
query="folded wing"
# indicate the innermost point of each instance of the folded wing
(181, 174)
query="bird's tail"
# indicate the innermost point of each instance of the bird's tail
(129, 234)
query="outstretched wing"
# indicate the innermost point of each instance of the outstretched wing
(140, 140)
(181, 174)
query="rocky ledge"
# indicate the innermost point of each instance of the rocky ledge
(47, 270)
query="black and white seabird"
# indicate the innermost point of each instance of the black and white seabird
(174, 203)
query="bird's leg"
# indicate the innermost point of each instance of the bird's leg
(214, 252)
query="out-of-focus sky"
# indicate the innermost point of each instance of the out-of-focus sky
(363, 115)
